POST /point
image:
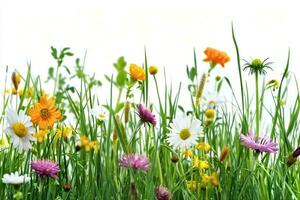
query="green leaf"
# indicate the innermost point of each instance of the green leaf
(121, 64)
(54, 52)
(119, 107)
(121, 78)
(51, 72)
(193, 73)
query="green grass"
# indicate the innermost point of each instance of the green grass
(96, 174)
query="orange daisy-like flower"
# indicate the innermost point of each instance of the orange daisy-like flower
(216, 57)
(137, 72)
(44, 113)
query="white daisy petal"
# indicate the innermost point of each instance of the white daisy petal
(20, 129)
(191, 128)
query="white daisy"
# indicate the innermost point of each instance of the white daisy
(20, 129)
(185, 130)
(15, 178)
(99, 113)
(213, 100)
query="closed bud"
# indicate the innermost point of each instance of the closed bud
(67, 187)
(127, 111)
(224, 153)
(174, 158)
(16, 79)
(291, 160)
(153, 70)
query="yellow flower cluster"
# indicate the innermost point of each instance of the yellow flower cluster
(200, 164)
(88, 144)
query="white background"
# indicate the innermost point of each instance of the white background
(169, 30)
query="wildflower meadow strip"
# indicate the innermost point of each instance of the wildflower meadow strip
(140, 142)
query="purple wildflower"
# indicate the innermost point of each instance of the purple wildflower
(162, 193)
(45, 168)
(146, 115)
(136, 162)
(262, 144)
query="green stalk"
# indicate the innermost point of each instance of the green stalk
(257, 103)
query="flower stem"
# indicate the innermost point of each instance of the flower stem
(257, 104)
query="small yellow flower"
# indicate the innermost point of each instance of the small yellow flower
(14, 91)
(200, 164)
(153, 70)
(192, 185)
(64, 132)
(85, 142)
(214, 179)
(137, 72)
(28, 93)
(41, 135)
(203, 146)
(205, 179)
(94, 145)
(187, 153)
(210, 113)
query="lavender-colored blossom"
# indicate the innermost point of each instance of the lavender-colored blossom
(136, 162)
(262, 144)
(296, 153)
(146, 115)
(45, 168)
(162, 193)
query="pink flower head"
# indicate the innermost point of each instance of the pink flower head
(136, 162)
(262, 144)
(162, 193)
(146, 115)
(45, 168)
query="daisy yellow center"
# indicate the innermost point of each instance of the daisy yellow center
(101, 116)
(20, 129)
(184, 134)
(44, 113)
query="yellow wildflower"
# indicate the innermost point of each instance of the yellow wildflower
(200, 164)
(64, 132)
(192, 185)
(41, 135)
(203, 146)
(85, 142)
(205, 179)
(214, 179)
(94, 145)
(137, 72)
(187, 153)
(210, 113)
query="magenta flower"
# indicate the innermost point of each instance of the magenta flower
(162, 193)
(45, 168)
(146, 115)
(262, 144)
(136, 162)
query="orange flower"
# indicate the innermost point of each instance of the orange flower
(44, 113)
(216, 57)
(137, 72)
